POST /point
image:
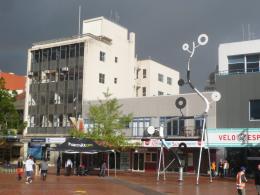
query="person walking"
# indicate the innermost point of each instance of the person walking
(68, 167)
(58, 166)
(257, 179)
(44, 169)
(29, 166)
(103, 169)
(241, 181)
(213, 169)
(19, 169)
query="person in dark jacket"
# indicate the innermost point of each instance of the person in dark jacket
(58, 166)
(257, 179)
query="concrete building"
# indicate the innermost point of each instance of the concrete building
(64, 73)
(237, 81)
(155, 79)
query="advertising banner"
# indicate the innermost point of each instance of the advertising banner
(233, 137)
(173, 144)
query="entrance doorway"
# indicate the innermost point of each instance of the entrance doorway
(138, 162)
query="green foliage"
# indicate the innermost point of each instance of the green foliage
(76, 133)
(9, 117)
(108, 122)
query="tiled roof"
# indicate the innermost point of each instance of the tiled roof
(13, 81)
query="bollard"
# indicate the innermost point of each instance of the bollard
(180, 174)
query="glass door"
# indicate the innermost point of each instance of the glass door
(138, 162)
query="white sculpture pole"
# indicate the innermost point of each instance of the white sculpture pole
(202, 40)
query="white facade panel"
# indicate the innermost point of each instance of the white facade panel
(236, 48)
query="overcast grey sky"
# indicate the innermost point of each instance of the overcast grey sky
(161, 27)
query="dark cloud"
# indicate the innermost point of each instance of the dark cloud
(161, 27)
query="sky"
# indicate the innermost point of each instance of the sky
(161, 27)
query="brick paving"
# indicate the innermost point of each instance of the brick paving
(123, 184)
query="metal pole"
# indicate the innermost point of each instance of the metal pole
(210, 172)
(79, 19)
(108, 163)
(115, 162)
(164, 178)
(201, 143)
(159, 166)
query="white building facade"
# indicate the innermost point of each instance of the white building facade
(155, 79)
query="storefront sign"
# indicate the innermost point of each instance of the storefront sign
(172, 144)
(38, 140)
(237, 137)
(55, 140)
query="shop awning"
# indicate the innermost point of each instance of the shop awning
(75, 145)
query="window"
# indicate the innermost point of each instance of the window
(144, 73)
(160, 77)
(116, 59)
(236, 64)
(252, 63)
(144, 91)
(101, 78)
(102, 56)
(160, 93)
(139, 125)
(169, 80)
(254, 110)
(175, 127)
(151, 157)
(115, 80)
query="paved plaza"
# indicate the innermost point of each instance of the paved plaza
(122, 184)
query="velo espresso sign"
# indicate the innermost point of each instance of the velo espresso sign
(233, 137)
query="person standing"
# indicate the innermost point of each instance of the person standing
(19, 168)
(68, 167)
(257, 179)
(103, 169)
(44, 169)
(213, 169)
(220, 168)
(225, 168)
(29, 165)
(241, 181)
(58, 166)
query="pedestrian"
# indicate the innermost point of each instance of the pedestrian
(68, 167)
(19, 169)
(58, 165)
(241, 181)
(225, 168)
(103, 169)
(44, 169)
(257, 179)
(29, 166)
(220, 168)
(213, 169)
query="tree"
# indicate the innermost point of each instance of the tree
(9, 117)
(108, 122)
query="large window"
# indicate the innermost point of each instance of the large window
(243, 63)
(254, 110)
(236, 64)
(139, 125)
(160, 93)
(160, 77)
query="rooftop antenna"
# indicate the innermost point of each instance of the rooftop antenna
(117, 17)
(79, 19)
(249, 32)
(111, 15)
(243, 31)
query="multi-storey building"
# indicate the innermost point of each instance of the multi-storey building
(154, 79)
(64, 73)
(237, 81)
